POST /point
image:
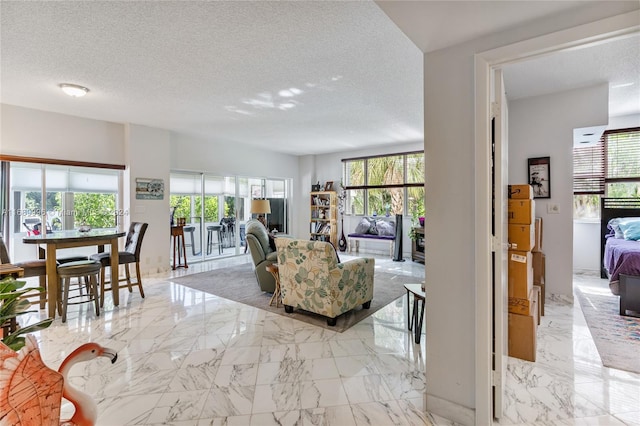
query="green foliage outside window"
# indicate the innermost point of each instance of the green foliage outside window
(386, 170)
(95, 210)
(183, 207)
(182, 204)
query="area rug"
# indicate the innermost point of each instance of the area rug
(238, 283)
(617, 337)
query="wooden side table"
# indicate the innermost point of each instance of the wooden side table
(179, 247)
(7, 269)
(273, 268)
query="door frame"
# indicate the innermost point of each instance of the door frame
(592, 33)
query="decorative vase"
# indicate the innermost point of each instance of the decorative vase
(342, 244)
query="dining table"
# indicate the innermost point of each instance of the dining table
(73, 238)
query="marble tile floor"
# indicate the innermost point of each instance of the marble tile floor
(190, 358)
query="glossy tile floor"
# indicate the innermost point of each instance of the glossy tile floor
(190, 358)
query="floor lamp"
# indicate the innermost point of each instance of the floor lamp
(262, 208)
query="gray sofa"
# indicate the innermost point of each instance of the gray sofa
(261, 254)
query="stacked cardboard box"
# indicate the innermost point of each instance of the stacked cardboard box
(539, 265)
(523, 298)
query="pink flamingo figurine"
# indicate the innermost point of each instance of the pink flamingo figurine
(86, 409)
(31, 393)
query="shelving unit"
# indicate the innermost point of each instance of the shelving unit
(324, 216)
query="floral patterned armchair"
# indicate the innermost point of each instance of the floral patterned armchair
(313, 279)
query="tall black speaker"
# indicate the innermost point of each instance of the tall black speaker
(397, 249)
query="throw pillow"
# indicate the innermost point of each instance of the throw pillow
(630, 229)
(373, 228)
(386, 228)
(363, 226)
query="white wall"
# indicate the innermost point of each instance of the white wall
(542, 126)
(147, 155)
(586, 246)
(34, 133)
(624, 122)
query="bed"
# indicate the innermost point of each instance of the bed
(620, 256)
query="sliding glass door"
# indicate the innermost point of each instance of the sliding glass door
(216, 209)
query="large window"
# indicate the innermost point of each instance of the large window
(73, 196)
(39, 198)
(610, 167)
(385, 185)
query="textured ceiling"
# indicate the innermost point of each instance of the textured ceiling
(304, 77)
(301, 77)
(616, 62)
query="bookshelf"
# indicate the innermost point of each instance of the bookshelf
(324, 216)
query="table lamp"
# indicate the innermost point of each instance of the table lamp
(261, 208)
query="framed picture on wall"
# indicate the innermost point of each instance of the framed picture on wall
(540, 176)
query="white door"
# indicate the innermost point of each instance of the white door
(499, 270)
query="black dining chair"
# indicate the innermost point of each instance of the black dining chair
(130, 254)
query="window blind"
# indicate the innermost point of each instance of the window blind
(588, 169)
(623, 155)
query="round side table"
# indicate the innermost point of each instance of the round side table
(273, 269)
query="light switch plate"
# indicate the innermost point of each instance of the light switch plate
(553, 208)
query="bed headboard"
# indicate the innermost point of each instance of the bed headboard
(609, 209)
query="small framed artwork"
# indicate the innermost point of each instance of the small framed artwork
(540, 176)
(328, 186)
(149, 189)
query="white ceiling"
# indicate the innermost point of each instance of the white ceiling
(297, 77)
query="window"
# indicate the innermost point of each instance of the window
(385, 185)
(610, 168)
(74, 196)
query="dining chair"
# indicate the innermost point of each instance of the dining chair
(32, 268)
(130, 254)
(86, 270)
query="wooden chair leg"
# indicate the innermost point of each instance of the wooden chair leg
(128, 275)
(102, 285)
(66, 282)
(44, 294)
(139, 278)
(59, 297)
(94, 292)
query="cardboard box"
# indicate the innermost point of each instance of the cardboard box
(537, 235)
(522, 306)
(521, 211)
(521, 237)
(537, 295)
(521, 192)
(542, 296)
(520, 274)
(539, 261)
(522, 335)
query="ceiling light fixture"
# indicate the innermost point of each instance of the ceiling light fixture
(74, 90)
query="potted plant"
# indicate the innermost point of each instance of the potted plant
(13, 303)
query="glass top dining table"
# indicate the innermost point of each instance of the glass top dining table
(68, 239)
